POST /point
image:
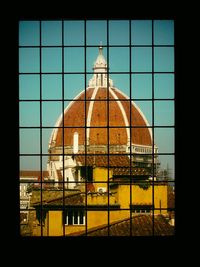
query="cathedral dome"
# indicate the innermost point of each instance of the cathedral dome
(106, 117)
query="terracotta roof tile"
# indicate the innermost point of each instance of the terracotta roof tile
(118, 163)
(70, 199)
(32, 173)
(102, 160)
(90, 187)
(36, 174)
(142, 225)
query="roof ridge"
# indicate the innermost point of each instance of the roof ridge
(71, 195)
(103, 227)
(54, 199)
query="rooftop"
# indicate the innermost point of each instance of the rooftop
(120, 164)
(30, 174)
(142, 225)
(73, 197)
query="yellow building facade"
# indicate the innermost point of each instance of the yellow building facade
(119, 201)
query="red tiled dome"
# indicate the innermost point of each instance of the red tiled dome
(99, 121)
(94, 113)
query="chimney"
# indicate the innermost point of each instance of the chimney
(75, 143)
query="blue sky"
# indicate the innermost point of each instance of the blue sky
(141, 63)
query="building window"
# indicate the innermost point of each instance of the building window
(75, 217)
(70, 218)
(142, 208)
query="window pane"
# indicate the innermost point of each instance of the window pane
(141, 86)
(46, 134)
(29, 141)
(146, 108)
(51, 33)
(73, 32)
(100, 114)
(118, 138)
(51, 86)
(29, 114)
(119, 59)
(164, 85)
(50, 113)
(163, 59)
(91, 56)
(51, 59)
(166, 170)
(117, 117)
(45, 159)
(29, 86)
(97, 136)
(119, 32)
(74, 59)
(164, 32)
(122, 81)
(29, 33)
(101, 218)
(74, 84)
(96, 32)
(72, 119)
(142, 59)
(27, 231)
(29, 163)
(164, 113)
(141, 32)
(29, 60)
(164, 139)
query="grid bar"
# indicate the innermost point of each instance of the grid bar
(64, 185)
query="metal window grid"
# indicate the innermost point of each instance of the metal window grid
(63, 99)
